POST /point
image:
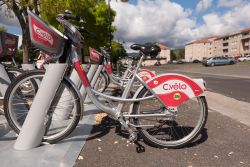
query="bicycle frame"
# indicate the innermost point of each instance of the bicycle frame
(122, 81)
(115, 112)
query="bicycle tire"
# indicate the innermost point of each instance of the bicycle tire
(101, 83)
(13, 73)
(147, 134)
(50, 137)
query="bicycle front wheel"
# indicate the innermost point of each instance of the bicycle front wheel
(13, 73)
(63, 114)
(101, 83)
(175, 129)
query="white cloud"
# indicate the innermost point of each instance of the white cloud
(229, 3)
(159, 20)
(203, 5)
(169, 23)
(232, 20)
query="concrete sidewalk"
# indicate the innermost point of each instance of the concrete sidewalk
(235, 109)
(63, 153)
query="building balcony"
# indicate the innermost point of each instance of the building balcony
(245, 36)
(246, 51)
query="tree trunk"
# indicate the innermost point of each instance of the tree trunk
(22, 16)
(25, 51)
(26, 44)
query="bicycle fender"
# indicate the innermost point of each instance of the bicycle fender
(146, 75)
(174, 89)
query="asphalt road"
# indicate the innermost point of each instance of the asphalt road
(230, 81)
(237, 88)
(223, 143)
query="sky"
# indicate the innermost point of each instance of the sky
(170, 22)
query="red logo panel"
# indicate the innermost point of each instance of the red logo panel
(42, 35)
(94, 55)
(174, 89)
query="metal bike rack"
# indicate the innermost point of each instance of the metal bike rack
(4, 81)
(92, 70)
(66, 100)
(33, 128)
(93, 81)
(27, 67)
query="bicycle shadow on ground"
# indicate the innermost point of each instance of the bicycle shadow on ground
(107, 124)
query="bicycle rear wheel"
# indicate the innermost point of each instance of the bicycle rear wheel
(175, 129)
(66, 101)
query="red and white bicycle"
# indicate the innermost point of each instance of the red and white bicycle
(168, 110)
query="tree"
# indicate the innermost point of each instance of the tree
(177, 54)
(19, 8)
(118, 51)
(3, 29)
(95, 14)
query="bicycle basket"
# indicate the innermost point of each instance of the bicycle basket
(45, 37)
(8, 44)
(95, 56)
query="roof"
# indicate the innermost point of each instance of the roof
(245, 30)
(163, 47)
(207, 40)
(210, 39)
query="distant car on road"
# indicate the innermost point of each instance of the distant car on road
(196, 61)
(158, 63)
(181, 61)
(218, 60)
(245, 58)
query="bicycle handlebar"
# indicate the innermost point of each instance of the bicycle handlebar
(71, 17)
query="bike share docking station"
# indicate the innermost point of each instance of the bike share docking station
(33, 128)
(65, 152)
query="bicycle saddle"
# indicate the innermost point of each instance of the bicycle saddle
(149, 50)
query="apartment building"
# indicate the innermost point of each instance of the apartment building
(232, 44)
(198, 49)
(162, 58)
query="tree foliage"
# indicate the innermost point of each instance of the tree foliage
(19, 8)
(118, 51)
(94, 13)
(3, 29)
(177, 54)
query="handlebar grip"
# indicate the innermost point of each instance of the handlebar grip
(72, 17)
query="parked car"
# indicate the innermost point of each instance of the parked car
(172, 62)
(181, 61)
(245, 58)
(158, 63)
(219, 60)
(196, 61)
